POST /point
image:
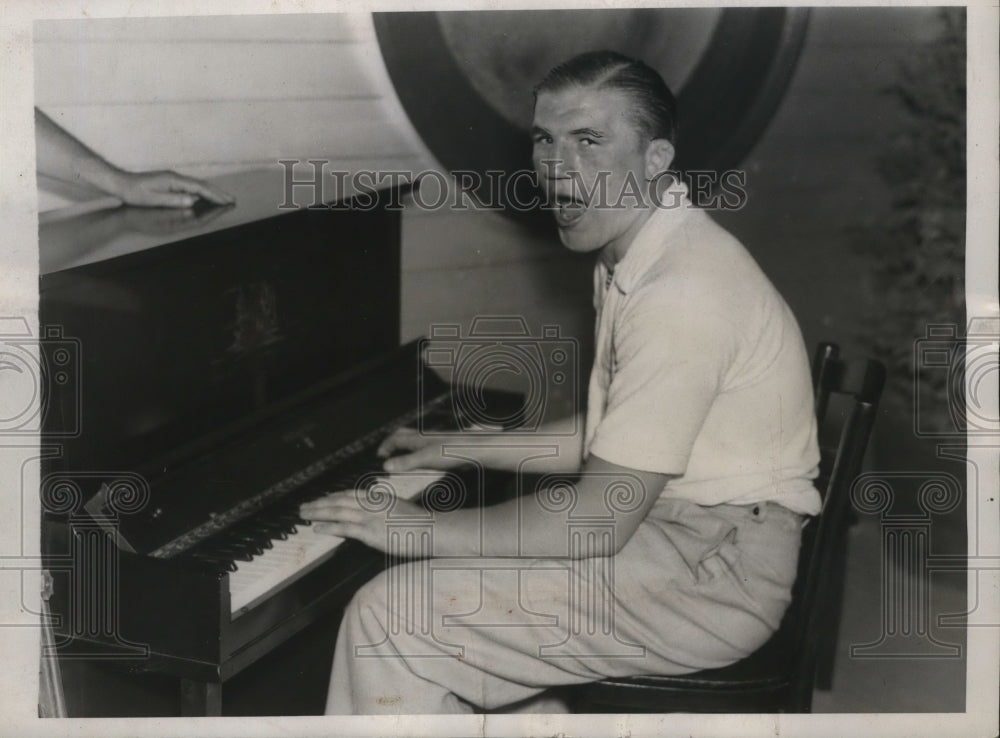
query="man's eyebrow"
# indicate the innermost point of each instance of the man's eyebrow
(538, 131)
(592, 132)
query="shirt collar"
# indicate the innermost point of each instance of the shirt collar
(650, 240)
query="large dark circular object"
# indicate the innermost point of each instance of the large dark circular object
(465, 78)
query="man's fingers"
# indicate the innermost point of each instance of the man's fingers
(346, 530)
(337, 515)
(330, 529)
(330, 505)
(402, 439)
(332, 510)
(386, 447)
(421, 458)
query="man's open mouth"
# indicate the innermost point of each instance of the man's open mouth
(568, 210)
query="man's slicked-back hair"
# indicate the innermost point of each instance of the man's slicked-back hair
(655, 110)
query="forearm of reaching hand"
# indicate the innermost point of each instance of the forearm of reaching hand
(63, 157)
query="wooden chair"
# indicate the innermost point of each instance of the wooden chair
(779, 676)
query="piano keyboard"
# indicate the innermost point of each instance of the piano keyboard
(298, 549)
(359, 451)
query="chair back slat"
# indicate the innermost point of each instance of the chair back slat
(823, 361)
(861, 383)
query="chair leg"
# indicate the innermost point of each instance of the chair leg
(800, 698)
(201, 699)
(826, 658)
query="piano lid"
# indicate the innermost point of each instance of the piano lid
(96, 227)
(184, 333)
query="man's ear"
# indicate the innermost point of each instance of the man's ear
(659, 157)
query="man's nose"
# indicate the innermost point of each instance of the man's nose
(556, 166)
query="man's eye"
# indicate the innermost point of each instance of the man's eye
(587, 142)
(543, 139)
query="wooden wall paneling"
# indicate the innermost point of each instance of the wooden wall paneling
(277, 27)
(184, 71)
(182, 134)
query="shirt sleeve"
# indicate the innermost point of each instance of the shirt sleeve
(670, 362)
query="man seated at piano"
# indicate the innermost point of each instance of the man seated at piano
(699, 437)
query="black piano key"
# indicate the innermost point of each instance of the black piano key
(279, 526)
(250, 537)
(260, 530)
(251, 547)
(244, 535)
(236, 552)
(248, 544)
(219, 562)
(319, 491)
(288, 528)
(269, 530)
(257, 533)
(223, 548)
(292, 517)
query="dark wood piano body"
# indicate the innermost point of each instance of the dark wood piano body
(173, 616)
(169, 406)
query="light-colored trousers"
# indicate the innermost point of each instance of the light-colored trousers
(694, 588)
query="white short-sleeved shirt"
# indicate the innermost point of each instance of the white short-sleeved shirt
(700, 370)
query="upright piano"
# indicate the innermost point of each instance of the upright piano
(206, 382)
